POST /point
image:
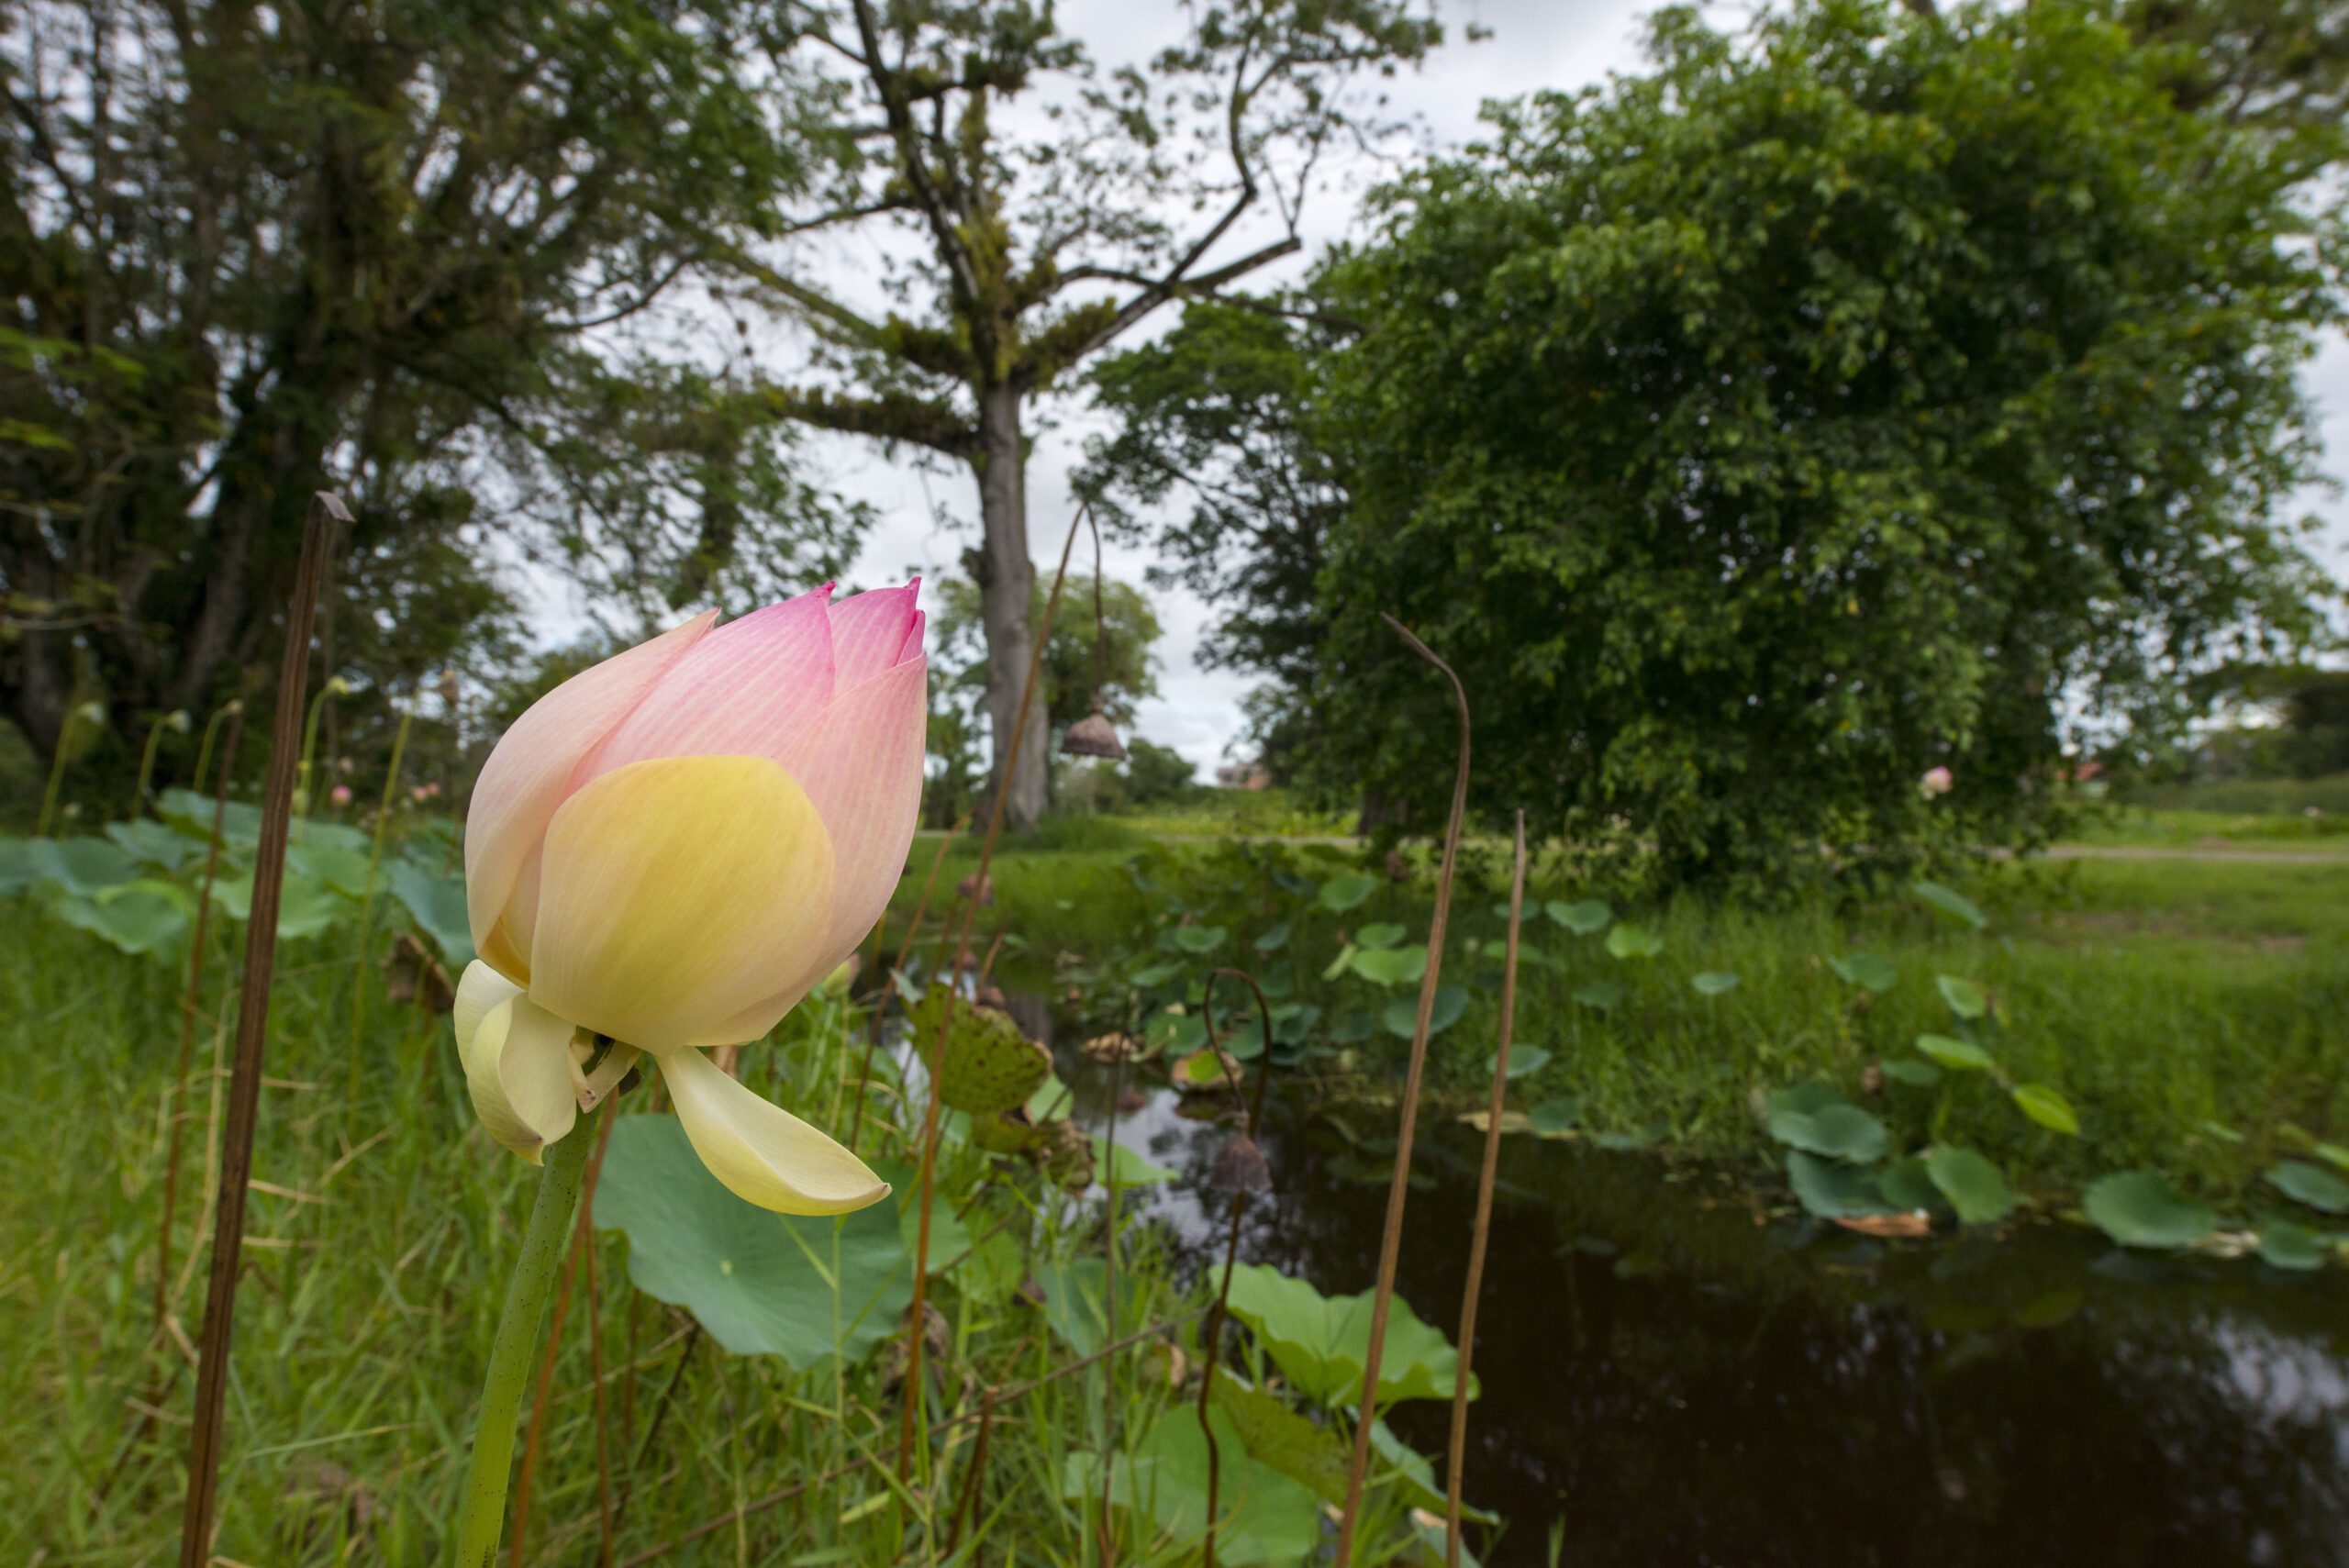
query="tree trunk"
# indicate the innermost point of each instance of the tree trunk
(1006, 581)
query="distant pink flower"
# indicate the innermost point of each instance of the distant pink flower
(340, 794)
(1936, 781)
(419, 794)
(672, 848)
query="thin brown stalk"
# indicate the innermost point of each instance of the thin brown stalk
(1212, 1342)
(712, 1526)
(986, 967)
(1481, 1231)
(253, 1033)
(978, 1469)
(1390, 1243)
(189, 1011)
(913, 1384)
(582, 1238)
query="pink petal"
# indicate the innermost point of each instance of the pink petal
(912, 649)
(749, 690)
(869, 632)
(528, 773)
(861, 763)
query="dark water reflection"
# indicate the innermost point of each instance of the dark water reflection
(1667, 1382)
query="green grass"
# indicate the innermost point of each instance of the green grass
(369, 1301)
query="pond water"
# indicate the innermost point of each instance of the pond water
(1668, 1378)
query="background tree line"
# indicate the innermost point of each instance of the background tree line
(1881, 390)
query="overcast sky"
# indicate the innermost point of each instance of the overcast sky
(927, 519)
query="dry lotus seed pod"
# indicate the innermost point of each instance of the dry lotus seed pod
(1240, 1167)
(1113, 1047)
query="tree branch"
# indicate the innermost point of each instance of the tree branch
(888, 416)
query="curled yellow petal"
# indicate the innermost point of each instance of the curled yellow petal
(761, 1152)
(478, 990)
(519, 1073)
(677, 892)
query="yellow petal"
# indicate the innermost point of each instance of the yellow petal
(478, 990)
(675, 894)
(589, 1088)
(761, 1151)
(519, 1073)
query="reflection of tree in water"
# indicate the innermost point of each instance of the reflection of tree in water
(1681, 1385)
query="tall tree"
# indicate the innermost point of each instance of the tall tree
(1833, 403)
(1037, 211)
(1216, 417)
(416, 250)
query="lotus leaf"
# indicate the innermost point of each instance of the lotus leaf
(153, 843)
(2283, 1245)
(1836, 1131)
(1950, 902)
(1265, 1518)
(1581, 918)
(1340, 894)
(1830, 1189)
(2048, 1108)
(1712, 983)
(1380, 934)
(1865, 970)
(438, 906)
(1957, 1055)
(761, 1283)
(1605, 996)
(1964, 998)
(1392, 966)
(1198, 938)
(1401, 1016)
(1524, 1061)
(2140, 1209)
(2304, 1182)
(1973, 1186)
(1628, 942)
(1909, 1071)
(1319, 1342)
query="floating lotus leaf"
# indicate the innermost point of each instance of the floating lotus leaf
(1553, 1118)
(1391, 966)
(2304, 1182)
(1831, 1189)
(1581, 918)
(1712, 983)
(1175, 1034)
(990, 1065)
(1320, 1342)
(1380, 934)
(2140, 1209)
(2048, 1108)
(1950, 902)
(1524, 1061)
(1865, 970)
(1272, 940)
(2283, 1245)
(1973, 1186)
(1911, 1072)
(1401, 1016)
(1908, 1186)
(1340, 894)
(1836, 1131)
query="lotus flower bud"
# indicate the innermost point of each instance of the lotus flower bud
(671, 848)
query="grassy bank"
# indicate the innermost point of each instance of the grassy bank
(2195, 1013)
(382, 1229)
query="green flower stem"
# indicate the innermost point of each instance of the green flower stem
(483, 1518)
